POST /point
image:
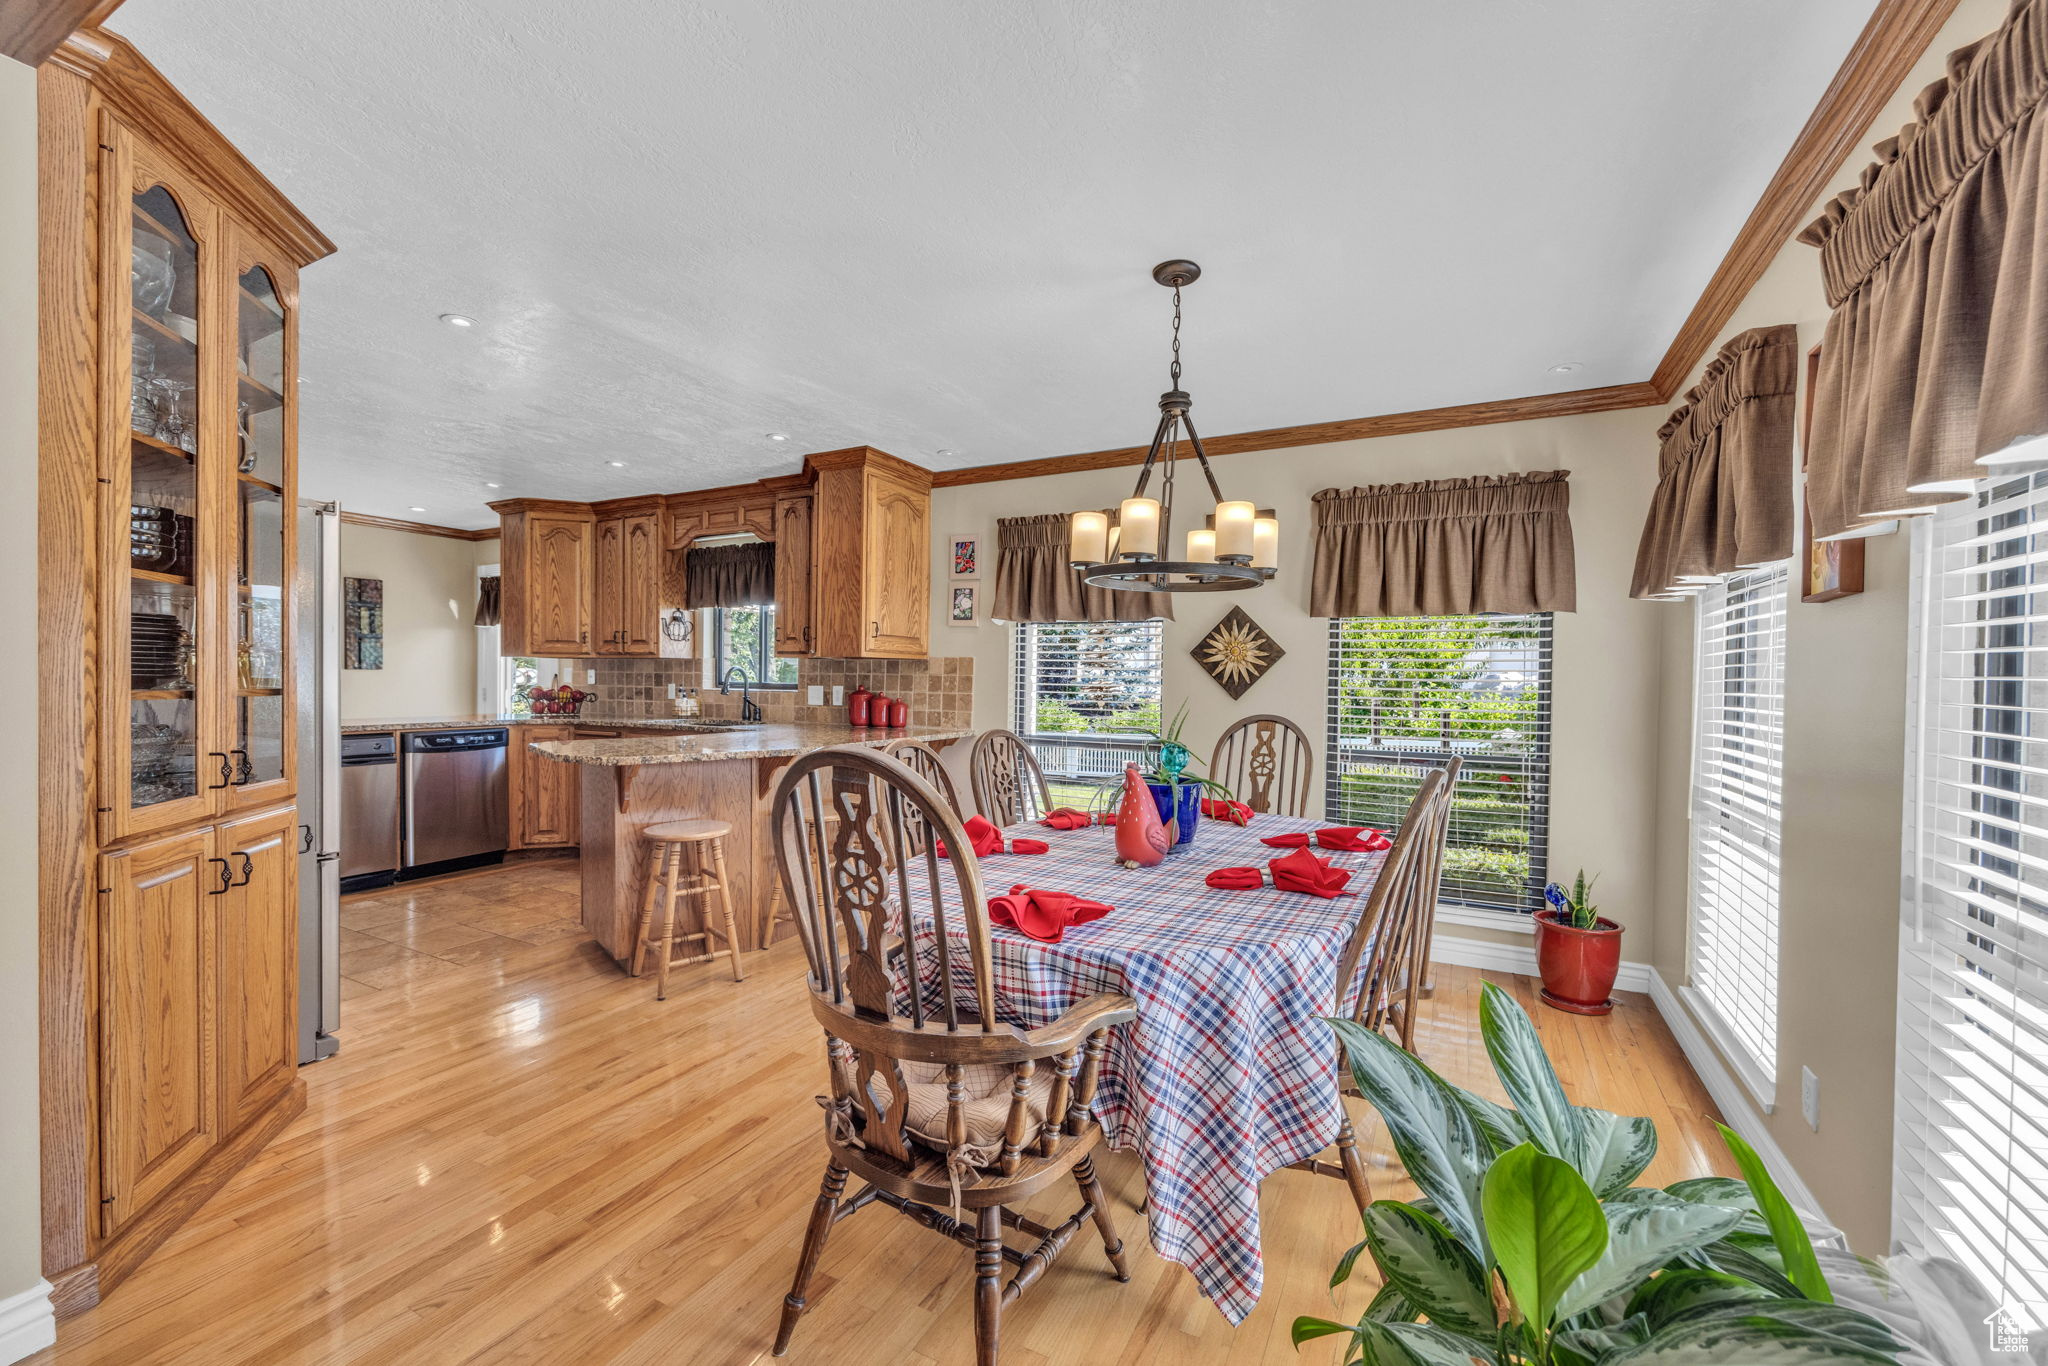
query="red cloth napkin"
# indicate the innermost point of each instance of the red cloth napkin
(1043, 915)
(1023, 845)
(1236, 879)
(1293, 839)
(1225, 809)
(1067, 818)
(982, 837)
(1302, 871)
(1354, 838)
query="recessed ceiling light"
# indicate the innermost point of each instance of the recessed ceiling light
(415, 509)
(1568, 367)
(489, 485)
(458, 320)
(616, 464)
(945, 455)
(778, 436)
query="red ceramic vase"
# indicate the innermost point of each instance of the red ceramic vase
(1578, 966)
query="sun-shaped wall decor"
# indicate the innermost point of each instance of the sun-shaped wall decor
(1237, 653)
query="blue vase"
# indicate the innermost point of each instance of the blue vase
(1190, 809)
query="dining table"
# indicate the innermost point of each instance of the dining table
(1230, 1071)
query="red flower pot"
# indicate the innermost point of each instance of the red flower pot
(1578, 966)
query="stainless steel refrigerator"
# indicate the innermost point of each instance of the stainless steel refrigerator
(317, 662)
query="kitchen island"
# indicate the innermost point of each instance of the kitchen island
(636, 781)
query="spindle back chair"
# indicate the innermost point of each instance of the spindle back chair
(936, 1105)
(1267, 763)
(921, 759)
(1009, 786)
(1386, 957)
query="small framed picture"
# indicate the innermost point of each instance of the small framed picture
(965, 597)
(963, 549)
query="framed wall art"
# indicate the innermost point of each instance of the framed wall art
(362, 623)
(965, 605)
(963, 553)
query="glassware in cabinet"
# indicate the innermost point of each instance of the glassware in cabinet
(262, 529)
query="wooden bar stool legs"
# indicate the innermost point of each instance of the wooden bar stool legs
(668, 884)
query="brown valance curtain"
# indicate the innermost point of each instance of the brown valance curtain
(730, 575)
(1034, 582)
(1445, 547)
(1934, 366)
(1724, 469)
(489, 600)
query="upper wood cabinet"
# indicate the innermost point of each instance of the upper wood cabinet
(795, 604)
(627, 608)
(548, 559)
(871, 580)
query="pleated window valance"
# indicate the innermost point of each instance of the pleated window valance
(1724, 469)
(489, 600)
(1934, 367)
(1034, 581)
(1445, 547)
(730, 575)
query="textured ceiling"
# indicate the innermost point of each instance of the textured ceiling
(928, 225)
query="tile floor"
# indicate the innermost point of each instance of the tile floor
(419, 930)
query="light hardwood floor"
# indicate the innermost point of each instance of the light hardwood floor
(520, 1156)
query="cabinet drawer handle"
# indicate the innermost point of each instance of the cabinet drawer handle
(245, 770)
(305, 839)
(874, 628)
(227, 877)
(227, 770)
(248, 867)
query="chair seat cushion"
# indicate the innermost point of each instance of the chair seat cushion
(988, 1088)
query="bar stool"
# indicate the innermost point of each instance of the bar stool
(665, 875)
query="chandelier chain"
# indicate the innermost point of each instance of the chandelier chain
(1174, 369)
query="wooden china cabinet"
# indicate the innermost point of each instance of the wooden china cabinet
(169, 835)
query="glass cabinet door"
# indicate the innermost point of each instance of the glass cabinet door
(168, 761)
(262, 530)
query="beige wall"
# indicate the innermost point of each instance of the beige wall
(1845, 723)
(1605, 655)
(20, 1214)
(429, 639)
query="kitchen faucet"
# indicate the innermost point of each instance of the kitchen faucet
(750, 710)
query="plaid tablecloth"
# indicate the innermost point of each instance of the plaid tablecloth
(1229, 1073)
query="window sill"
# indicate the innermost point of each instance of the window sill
(1514, 922)
(1761, 1085)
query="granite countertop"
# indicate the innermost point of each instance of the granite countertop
(469, 722)
(772, 741)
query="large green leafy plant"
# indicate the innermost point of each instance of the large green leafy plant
(1531, 1247)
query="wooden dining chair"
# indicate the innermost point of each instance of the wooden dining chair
(1267, 763)
(944, 1113)
(1386, 956)
(921, 759)
(1009, 786)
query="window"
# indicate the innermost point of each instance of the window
(1971, 1121)
(516, 674)
(1409, 693)
(1737, 789)
(746, 636)
(1081, 689)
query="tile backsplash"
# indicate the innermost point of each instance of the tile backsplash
(940, 691)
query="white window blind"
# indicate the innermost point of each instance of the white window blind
(1737, 795)
(1080, 690)
(1971, 1121)
(1408, 693)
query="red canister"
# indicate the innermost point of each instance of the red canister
(899, 714)
(857, 704)
(878, 710)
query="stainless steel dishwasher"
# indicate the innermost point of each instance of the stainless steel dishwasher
(369, 811)
(455, 800)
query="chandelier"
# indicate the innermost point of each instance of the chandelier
(1239, 545)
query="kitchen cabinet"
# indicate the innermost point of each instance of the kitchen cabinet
(547, 796)
(627, 602)
(795, 618)
(871, 577)
(168, 322)
(548, 567)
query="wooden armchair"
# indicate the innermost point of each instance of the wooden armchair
(945, 1114)
(1387, 956)
(1009, 786)
(1268, 763)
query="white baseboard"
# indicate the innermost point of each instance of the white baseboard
(1521, 958)
(28, 1323)
(1731, 1097)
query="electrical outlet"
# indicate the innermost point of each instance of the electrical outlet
(1809, 1098)
(671, 692)
(838, 694)
(590, 676)
(817, 694)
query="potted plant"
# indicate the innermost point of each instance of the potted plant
(1531, 1246)
(1578, 950)
(1178, 797)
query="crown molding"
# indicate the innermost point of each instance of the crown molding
(418, 528)
(30, 30)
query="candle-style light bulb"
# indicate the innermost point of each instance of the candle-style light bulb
(1201, 546)
(1138, 519)
(1265, 543)
(1088, 537)
(1234, 529)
